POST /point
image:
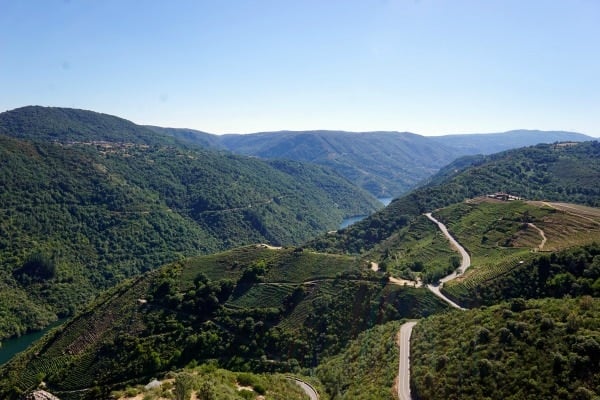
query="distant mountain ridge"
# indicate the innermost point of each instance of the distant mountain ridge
(489, 143)
(386, 164)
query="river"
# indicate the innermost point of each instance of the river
(349, 221)
(10, 347)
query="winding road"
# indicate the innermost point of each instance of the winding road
(464, 264)
(406, 328)
(308, 389)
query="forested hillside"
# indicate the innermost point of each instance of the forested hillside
(386, 164)
(79, 215)
(561, 172)
(253, 308)
(542, 349)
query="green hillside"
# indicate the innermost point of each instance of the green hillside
(542, 349)
(386, 164)
(73, 125)
(383, 163)
(80, 215)
(252, 308)
(567, 173)
(366, 369)
(210, 382)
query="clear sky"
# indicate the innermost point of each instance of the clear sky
(429, 67)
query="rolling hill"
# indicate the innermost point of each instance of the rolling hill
(88, 200)
(253, 308)
(490, 143)
(557, 172)
(541, 349)
(387, 164)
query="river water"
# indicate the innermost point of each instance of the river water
(10, 347)
(349, 221)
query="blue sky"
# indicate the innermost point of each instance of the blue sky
(429, 67)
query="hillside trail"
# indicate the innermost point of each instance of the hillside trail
(403, 380)
(576, 210)
(542, 234)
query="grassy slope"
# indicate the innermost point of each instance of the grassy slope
(544, 172)
(540, 349)
(323, 302)
(500, 241)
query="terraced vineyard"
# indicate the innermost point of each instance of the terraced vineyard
(564, 226)
(416, 250)
(253, 308)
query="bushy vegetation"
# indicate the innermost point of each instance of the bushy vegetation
(208, 382)
(542, 349)
(366, 369)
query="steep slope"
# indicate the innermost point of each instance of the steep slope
(383, 163)
(81, 215)
(252, 308)
(489, 143)
(542, 349)
(549, 172)
(366, 369)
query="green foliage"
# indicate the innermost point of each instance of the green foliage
(366, 369)
(549, 172)
(98, 199)
(177, 315)
(574, 272)
(184, 384)
(536, 349)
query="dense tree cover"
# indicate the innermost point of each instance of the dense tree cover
(292, 310)
(573, 272)
(94, 213)
(383, 163)
(386, 164)
(558, 172)
(73, 125)
(542, 349)
(366, 368)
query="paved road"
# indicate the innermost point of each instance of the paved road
(406, 329)
(308, 389)
(464, 264)
(404, 363)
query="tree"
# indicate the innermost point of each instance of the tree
(207, 391)
(184, 383)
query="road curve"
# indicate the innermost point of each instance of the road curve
(406, 329)
(464, 264)
(308, 389)
(404, 362)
